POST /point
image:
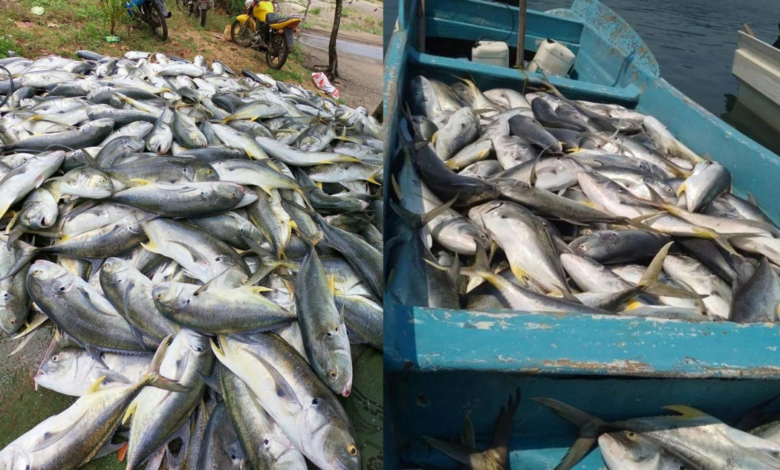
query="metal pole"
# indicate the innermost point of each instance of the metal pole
(521, 33)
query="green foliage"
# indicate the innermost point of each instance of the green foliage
(7, 43)
(346, 12)
(113, 11)
(316, 11)
(296, 53)
(285, 75)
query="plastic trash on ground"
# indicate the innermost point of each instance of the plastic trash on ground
(322, 82)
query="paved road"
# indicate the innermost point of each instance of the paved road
(343, 45)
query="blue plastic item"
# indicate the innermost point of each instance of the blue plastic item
(441, 363)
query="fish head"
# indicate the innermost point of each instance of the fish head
(587, 245)
(235, 454)
(15, 457)
(329, 430)
(114, 270)
(51, 278)
(232, 191)
(627, 449)
(249, 198)
(479, 214)
(172, 295)
(38, 216)
(462, 236)
(200, 172)
(61, 366)
(338, 366)
(91, 183)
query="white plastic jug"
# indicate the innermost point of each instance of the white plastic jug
(553, 58)
(491, 52)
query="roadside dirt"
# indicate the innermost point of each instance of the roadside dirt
(360, 81)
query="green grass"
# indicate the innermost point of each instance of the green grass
(297, 53)
(346, 12)
(8, 44)
(316, 11)
(285, 75)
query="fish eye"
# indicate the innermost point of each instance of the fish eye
(159, 296)
(218, 259)
(13, 321)
(203, 193)
(266, 442)
(329, 334)
(352, 449)
(583, 247)
(62, 289)
(316, 401)
(37, 271)
(5, 296)
(198, 349)
(55, 358)
(668, 190)
(333, 375)
(631, 435)
(208, 172)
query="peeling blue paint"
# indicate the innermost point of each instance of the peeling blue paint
(445, 362)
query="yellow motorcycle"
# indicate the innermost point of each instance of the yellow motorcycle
(264, 30)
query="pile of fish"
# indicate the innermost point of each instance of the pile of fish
(231, 224)
(690, 439)
(573, 207)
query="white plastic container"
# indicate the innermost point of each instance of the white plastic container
(553, 58)
(491, 52)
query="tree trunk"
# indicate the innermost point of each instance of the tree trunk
(306, 12)
(333, 59)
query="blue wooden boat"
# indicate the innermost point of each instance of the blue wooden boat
(440, 364)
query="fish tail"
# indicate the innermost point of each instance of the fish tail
(589, 430)
(153, 377)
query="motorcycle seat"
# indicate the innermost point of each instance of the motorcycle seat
(273, 19)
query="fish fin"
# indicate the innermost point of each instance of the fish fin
(576, 452)
(588, 430)
(121, 453)
(28, 253)
(154, 378)
(435, 137)
(687, 412)
(196, 255)
(50, 438)
(752, 199)
(283, 389)
(649, 281)
(140, 181)
(503, 431)
(420, 220)
(96, 354)
(96, 385)
(130, 411)
(211, 380)
(206, 285)
(532, 177)
(11, 223)
(257, 249)
(332, 283)
(469, 438)
(455, 451)
(151, 247)
(682, 188)
(257, 289)
(638, 222)
(13, 235)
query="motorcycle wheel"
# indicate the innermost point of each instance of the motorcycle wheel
(157, 21)
(277, 52)
(202, 17)
(241, 34)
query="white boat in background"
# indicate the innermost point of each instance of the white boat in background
(757, 68)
